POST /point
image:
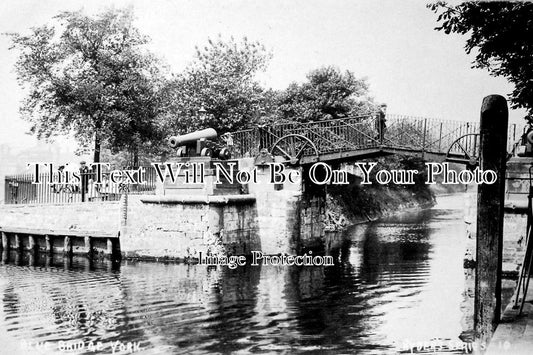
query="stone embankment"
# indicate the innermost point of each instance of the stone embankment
(179, 224)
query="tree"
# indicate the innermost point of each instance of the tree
(136, 124)
(90, 76)
(221, 80)
(501, 34)
(328, 94)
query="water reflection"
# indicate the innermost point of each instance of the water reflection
(398, 279)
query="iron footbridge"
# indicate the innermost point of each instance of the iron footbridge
(355, 138)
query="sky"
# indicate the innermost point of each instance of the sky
(409, 66)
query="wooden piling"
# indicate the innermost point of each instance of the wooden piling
(31, 259)
(88, 249)
(5, 242)
(47, 244)
(487, 299)
(31, 243)
(67, 246)
(109, 249)
(17, 242)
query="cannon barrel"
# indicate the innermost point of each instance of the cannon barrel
(184, 139)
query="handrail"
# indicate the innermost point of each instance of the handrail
(363, 132)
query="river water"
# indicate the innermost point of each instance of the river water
(399, 281)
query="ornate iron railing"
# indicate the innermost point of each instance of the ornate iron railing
(402, 133)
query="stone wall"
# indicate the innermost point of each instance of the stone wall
(312, 222)
(514, 230)
(273, 218)
(514, 248)
(98, 217)
(278, 211)
(180, 229)
(515, 220)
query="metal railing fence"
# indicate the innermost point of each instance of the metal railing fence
(22, 189)
(366, 132)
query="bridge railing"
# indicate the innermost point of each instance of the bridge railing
(405, 133)
(245, 143)
(328, 136)
(429, 135)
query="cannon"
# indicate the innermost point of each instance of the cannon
(200, 143)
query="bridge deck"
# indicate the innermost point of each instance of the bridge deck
(362, 137)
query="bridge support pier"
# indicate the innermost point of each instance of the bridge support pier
(278, 206)
(290, 216)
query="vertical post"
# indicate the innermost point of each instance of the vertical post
(487, 299)
(123, 209)
(48, 244)
(88, 249)
(424, 137)
(31, 243)
(123, 229)
(17, 242)
(67, 246)
(440, 136)
(380, 128)
(83, 183)
(258, 132)
(82, 192)
(467, 141)
(109, 248)
(5, 242)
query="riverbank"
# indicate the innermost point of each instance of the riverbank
(355, 203)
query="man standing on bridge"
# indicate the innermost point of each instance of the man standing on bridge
(381, 125)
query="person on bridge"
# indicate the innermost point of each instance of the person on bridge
(381, 120)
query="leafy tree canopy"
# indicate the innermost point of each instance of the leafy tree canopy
(221, 80)
(93, 77)
(501, 35)
(328, 94)
(90, 76)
